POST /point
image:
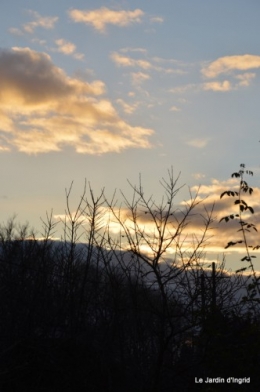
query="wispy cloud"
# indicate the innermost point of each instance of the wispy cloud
(174, 109)
(156, 19)
(208, 198)
(42, 42)
(218, 86)
(65, 47)
(231, 63)
(4, 148)
(62, 46)
(198, 143)
(139, 77)
(145, 63)
(227, 67)
(198, 176)
(68, 48)
(45, 22)
(128, 108)
(245, 79)
(130, 49)
(42, 109)
(101, 17)
(126, 61)
(228, 231)
(184, 88)
(15, 31)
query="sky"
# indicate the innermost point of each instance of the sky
(105, 90)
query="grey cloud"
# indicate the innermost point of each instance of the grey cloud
(42, 108)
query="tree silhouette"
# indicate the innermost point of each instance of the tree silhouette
(123, 302)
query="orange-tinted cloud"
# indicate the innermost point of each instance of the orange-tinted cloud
(65, 47)
(217, 236)
(146, 63)
(245, 79)
(126, 61)
(230, 63)
(127, 107)
(42, 109)
(174, 109)
(218, 86)
(228, 66)
(225, 232)
(139, 77)
(101, 17)
(46, 22)
(198, 143)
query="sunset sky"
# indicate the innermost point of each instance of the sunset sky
(105, 90)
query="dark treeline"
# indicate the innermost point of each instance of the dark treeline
(104, 315)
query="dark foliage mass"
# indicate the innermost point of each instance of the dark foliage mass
(98, 317)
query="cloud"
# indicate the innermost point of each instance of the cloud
(156, 19)
(4, 148)
(217, 236)
(101, 17)
(228, 231)
(150, 64)
(42, 109)
(15, 31)
(231, 63)
(42, 42)
(129, 109)
(129, 49)
(139, 77)
(46, 22)
(218, 86)
(198, 143)
(174, 109)
(79, 56)
(245, 79)
(126, 61)
(184, 88)
(68, 48)
(216, 187)
(198, 176)
(65, 47)
(150, 225)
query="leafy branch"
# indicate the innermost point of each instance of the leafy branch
(245, 226)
